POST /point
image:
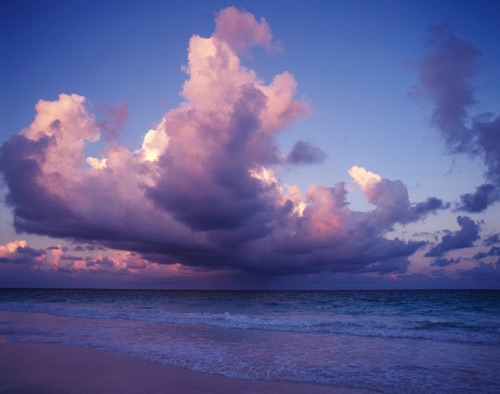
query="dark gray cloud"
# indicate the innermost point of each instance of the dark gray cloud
(486, 273)
(494, 251)
(492, 240)
(87, 248)
(36, 210)
(422, 209)
(486, 128)
(447, 73)
(69, 257)
(443, 262)
(395, 265)
(463, 238)
(305, 153)
(484, 196)
(103, 262)
(63, 248)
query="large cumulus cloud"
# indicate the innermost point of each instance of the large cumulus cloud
(447, 74)
(201, 190)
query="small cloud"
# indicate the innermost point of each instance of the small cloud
(19, 252)
(484, 196)
(494, 251)
(391, 266)
(422, 209)
(443, 262)
(463, 238)
(240, 30)
(305, 153)
(492, 240)
(63, 248)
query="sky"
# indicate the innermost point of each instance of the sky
(250, 144)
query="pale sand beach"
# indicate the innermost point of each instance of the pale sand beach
(56, 369)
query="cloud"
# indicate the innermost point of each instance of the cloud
(443, 262)
(19, 252)
(201, 192)
(240, 30)
(486, 127)
(111, 125)
(391, 198)
(305, 153)
(484, 272)
(367, 180)
(463, 238)
(494, 251)
(63, 248)
(484, 196)
(447, 75)
(87, 248)
(54, 258)
(396, 265)
(117, 261)
(431, 205)
(492, 240)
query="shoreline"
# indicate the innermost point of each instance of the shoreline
(61, 369)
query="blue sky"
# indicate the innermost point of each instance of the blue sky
(357, 65)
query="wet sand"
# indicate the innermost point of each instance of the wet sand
(56, 369)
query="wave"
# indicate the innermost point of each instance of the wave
(371, 326)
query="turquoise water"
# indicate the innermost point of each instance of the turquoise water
(388, 341)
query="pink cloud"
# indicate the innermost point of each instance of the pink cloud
(19, 252)
(240, 30)
(325, 210)
(200, 192)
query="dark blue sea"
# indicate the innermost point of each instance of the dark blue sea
(420, 341)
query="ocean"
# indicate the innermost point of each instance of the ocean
(420, 341)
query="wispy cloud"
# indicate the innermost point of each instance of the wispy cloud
(447, 74)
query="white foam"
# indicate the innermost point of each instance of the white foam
(373, 326)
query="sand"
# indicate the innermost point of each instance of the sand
(56, 369)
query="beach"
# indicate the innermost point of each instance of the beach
(135, 341)
(58, 369)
